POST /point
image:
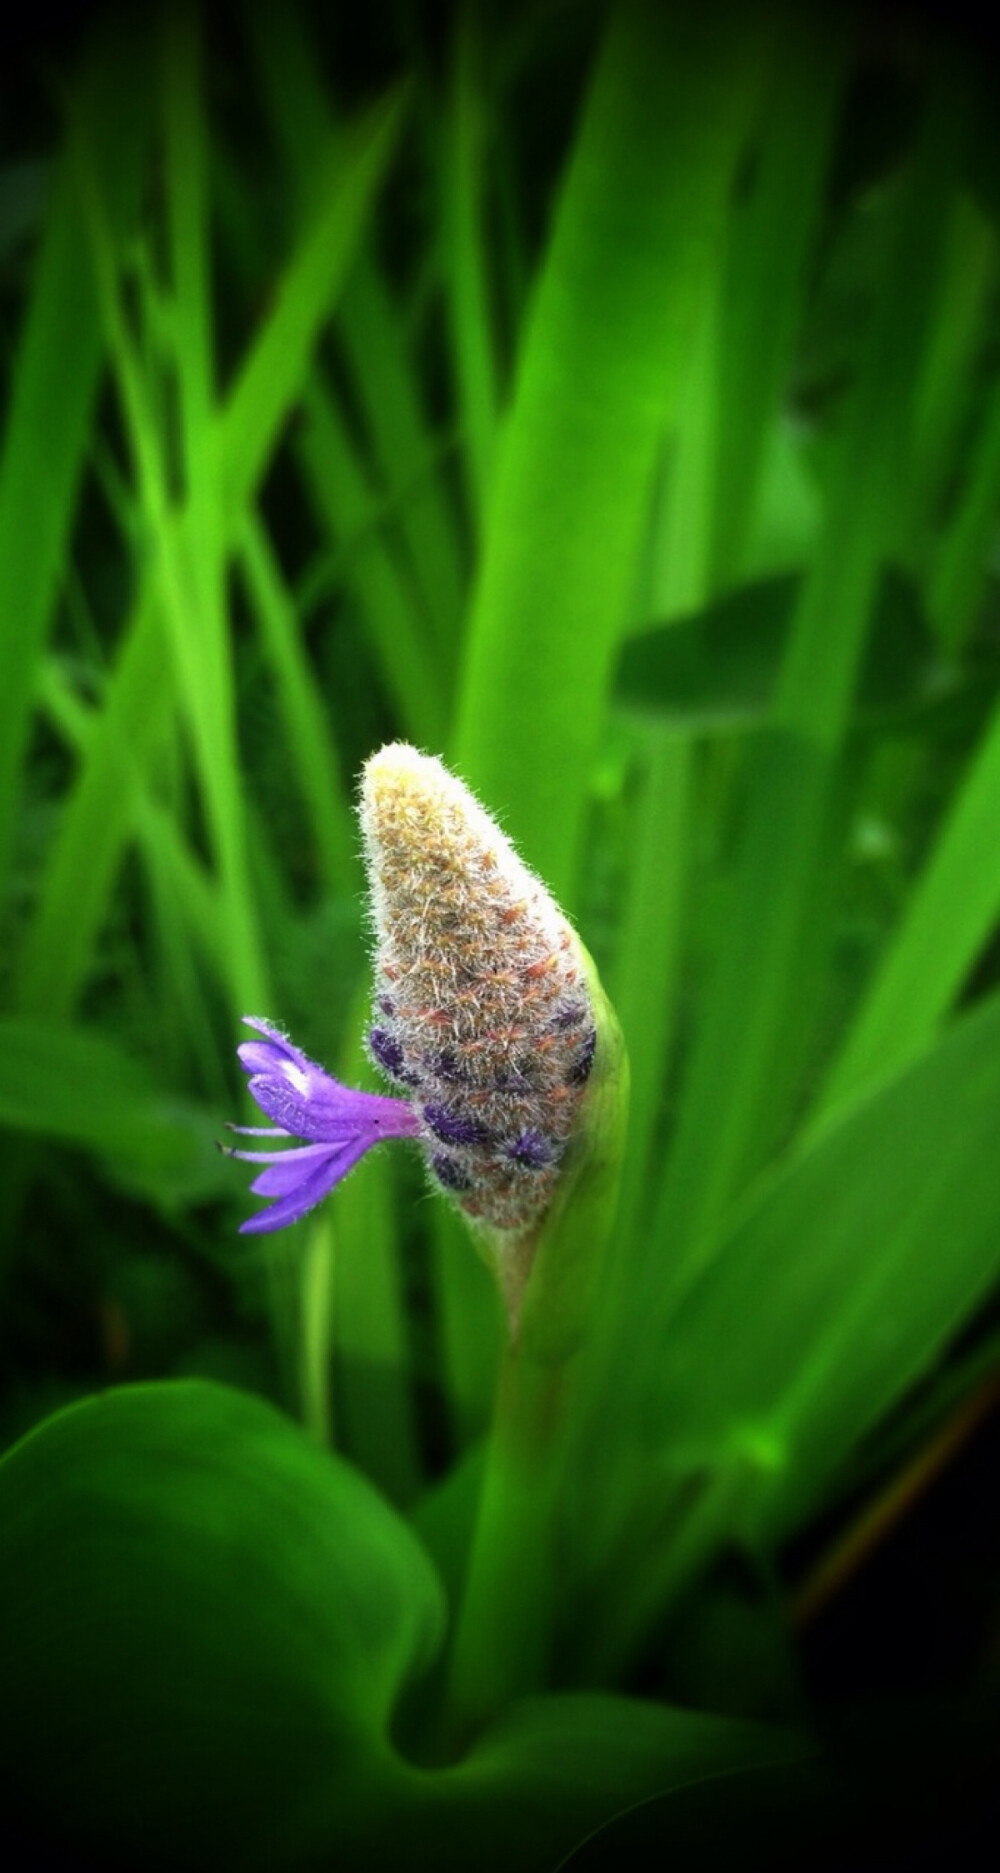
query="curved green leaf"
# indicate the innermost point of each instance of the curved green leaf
(554, 1769)
(777, 1815)
(206, 1625)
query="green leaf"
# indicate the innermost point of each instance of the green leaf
(549, 1772)
(97, 817)
(772, 231)
(76, 1086)
(636, 239)
(949, 919)
(777, 1815)
(273, 369)
(719, 669)
(51, 390)
(734, 1098)
(206, 1625)
(844, 1279)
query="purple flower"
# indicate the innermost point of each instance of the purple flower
(338, 1124)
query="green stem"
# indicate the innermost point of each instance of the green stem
(503, 1635)
(501, 1640)
(316, 1301)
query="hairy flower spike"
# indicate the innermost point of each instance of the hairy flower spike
(481, 998)
(490, 1021)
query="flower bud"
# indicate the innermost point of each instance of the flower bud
(482, 1011)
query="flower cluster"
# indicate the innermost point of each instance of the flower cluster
(482, 1017)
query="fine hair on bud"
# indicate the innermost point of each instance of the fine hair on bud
(481, 1009)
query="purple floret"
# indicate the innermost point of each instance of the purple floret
(450, 1173)
(387, 1051)
(579, 1072)
(339, 1124)
(568, 1017)
(454, 1128)
(532, 1149)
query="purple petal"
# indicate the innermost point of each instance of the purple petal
(275, 1053)
(274, 1038)
(293, 1168)
(307, 1103)
(256, 1131)
(305, 1193)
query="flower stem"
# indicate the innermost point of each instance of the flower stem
(515, 1584)
(502, 1636)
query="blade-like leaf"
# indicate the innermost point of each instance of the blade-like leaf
(735, 1093)
(637, 232)
(949, 919)
(272, 373)
(75, 1086)
(52, 388)
(846, 1276)
(718, 670)
(843, 1280)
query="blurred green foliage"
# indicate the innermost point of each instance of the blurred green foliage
(605, 398)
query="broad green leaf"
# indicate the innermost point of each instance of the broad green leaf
(553, 1769)
(769, 1816)
(206, 1623)
(206, 1627)
(549, 1772)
